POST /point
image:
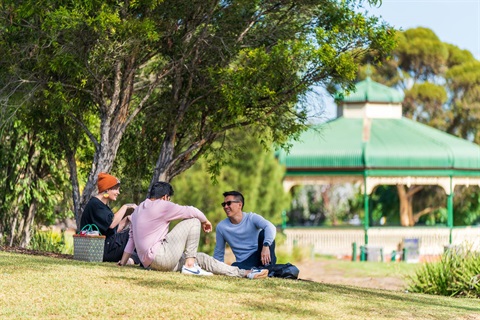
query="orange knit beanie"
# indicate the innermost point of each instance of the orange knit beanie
(106, 181)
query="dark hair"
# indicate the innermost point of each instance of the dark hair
(160, 189)
(238, 196)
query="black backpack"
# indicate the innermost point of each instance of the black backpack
(287, 271)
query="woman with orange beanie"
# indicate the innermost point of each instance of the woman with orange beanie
(113, 226)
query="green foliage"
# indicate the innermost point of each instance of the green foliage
(189, 71)
(249, 168)
(300, 253)
(307, 206)
(456, 274)
(457, 56)
(425, 102)
(466, 202)
(252, 171)
(325, 205)
(296, 255)
(421, 53)
(34, 180)
(384, 204)
(50, 241)
(441, 84)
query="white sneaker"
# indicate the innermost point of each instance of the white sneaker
(195, 271)
(257, 273)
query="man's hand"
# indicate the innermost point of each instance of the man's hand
(265, 258)
(207, 226)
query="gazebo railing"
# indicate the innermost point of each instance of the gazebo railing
(338, 241)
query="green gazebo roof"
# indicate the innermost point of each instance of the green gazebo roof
(374, 145)
(394, 147)
(371, 91)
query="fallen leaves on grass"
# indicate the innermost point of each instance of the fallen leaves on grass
(35, 252)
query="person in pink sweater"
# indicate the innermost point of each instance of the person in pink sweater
(176, 250)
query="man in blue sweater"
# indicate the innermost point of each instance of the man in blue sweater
(250, 236)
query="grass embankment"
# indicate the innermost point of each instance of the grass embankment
(45, 287)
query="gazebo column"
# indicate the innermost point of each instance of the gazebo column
(366, 218)
(450, 210)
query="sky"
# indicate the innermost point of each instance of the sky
(454, 21)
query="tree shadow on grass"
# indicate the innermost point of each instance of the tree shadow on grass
(410, 299)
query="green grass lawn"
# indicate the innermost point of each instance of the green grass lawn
(45, 288)
(369, 269)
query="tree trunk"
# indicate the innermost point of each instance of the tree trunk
(16, 213)
(27, 225)
(114, 118)
(406, 219)
(164, 162)
(72, 167)
(327, 206)
(13, 227)
(105, 157)
(405, 197)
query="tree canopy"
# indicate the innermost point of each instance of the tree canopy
(192, 69)
(441, 85)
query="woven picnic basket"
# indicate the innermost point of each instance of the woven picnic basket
(87, 247)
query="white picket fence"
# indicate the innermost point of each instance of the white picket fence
(339, 242)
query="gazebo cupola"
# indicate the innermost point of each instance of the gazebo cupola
(370, 100)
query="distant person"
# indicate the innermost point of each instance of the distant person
(250, 236)
(114, 226)
(175, 250)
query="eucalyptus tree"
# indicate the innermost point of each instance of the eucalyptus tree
(200, 68)
(435, 76)
(441, 84)
(32, 179)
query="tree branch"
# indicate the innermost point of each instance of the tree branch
(419, 214)
(411, 191)
(84, 127)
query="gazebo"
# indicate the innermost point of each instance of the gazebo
(371, 143)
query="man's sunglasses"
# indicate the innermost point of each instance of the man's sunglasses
(228, 203)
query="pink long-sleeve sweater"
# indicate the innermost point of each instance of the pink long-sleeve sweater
(150, 222)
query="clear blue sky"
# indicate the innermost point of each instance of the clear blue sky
(453, 21)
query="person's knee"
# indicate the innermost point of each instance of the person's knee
(193, 222)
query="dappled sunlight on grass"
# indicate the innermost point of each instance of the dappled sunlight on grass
(46, 287)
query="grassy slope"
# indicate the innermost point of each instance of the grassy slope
(371, 269)
(45, 287)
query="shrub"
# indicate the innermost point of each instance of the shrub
(456, 274)
(296, 254)
(50, 241)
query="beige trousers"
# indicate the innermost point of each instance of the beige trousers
(181, 243)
